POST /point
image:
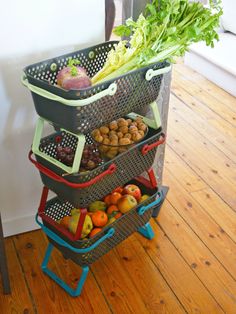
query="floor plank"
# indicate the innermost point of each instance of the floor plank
(20, 300)
(212, 117)
(214, 103)
(219, 243)
(204, 264)
(156, 294)
(223, 143)
(187, 287)
(47, 294)
(214, 167)
(215, 206)
(208, 86)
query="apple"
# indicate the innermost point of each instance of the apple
(126, 203)
(143, 198)
(134, 190)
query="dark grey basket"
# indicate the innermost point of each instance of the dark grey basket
(129, 165)
(124, 227)
(134, 93)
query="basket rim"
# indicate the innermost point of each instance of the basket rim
(79, 92)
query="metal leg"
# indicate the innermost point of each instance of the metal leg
(147, 231)
(74, 293)
(3, 263)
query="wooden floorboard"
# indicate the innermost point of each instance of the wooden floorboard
(189, 267)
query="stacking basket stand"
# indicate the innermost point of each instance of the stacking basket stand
(74, 115)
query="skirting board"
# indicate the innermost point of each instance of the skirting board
(19, 225)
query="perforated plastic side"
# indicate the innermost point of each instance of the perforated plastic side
(129, 165)
(134, 92)
(124, 227)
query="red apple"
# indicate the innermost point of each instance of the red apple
(126, 203)
(134, 190)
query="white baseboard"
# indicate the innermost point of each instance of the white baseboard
(19, 225)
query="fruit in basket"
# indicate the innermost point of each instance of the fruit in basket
(99, 218)
(97, 206)
(94, 232)
(112, 209)
(134, 190)
(87, 226)
(115, 196)
(110, 221)
(107, 199)
(143, 198)
(65, 221)
(119, 189)
(126, 203)
(73, 76)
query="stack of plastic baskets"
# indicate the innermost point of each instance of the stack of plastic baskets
(74, 114)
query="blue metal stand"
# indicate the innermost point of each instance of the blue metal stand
(147, 231)
(74, 293)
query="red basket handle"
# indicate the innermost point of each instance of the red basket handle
(56, 225)
(56, 177)
(146, 148)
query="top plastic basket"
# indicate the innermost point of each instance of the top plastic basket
(81, 111)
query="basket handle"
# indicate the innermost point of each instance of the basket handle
(147, 147)
(56, 177)
(78, 152)
(142, 210)
(110, 232)
(151, 73)
(110, 91)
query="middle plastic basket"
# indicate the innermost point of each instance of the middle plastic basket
(83, 188)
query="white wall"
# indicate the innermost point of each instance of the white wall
(31, 31)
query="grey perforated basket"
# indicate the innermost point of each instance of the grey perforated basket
(124, 227)
(84, 110)
(83, 188)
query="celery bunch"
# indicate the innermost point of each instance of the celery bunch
(164, 31)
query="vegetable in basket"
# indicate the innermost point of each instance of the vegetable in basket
(164, 31)
(73, 76)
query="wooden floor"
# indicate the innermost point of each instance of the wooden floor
(190, 266)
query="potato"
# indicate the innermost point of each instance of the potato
(136, 137)
(129, 121)
(139, 120)
(142, 127)
(141, 133)
(113, 125)
(106, 141)
(122, 149)
(133, 129)
(95, 132)
(124, 141)
(120, 134)
(123, 129)
(122, 122)
(98, 138)
(114, 142)
(104, 129)
(113, 137)
(128, 135)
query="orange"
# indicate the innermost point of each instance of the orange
(115, 197)
(119, 189)
(94, 232)
(107, 199)
(111, 209)
(118, 215)
(99, 218)
(65, 221)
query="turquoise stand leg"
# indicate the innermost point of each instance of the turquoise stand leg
(74, 293)
(147, 231)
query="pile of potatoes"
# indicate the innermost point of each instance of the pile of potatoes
(117, 137)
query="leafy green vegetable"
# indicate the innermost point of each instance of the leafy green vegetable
(164, 31)
(72, 64)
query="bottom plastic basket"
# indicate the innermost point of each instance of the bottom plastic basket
(87, 251)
